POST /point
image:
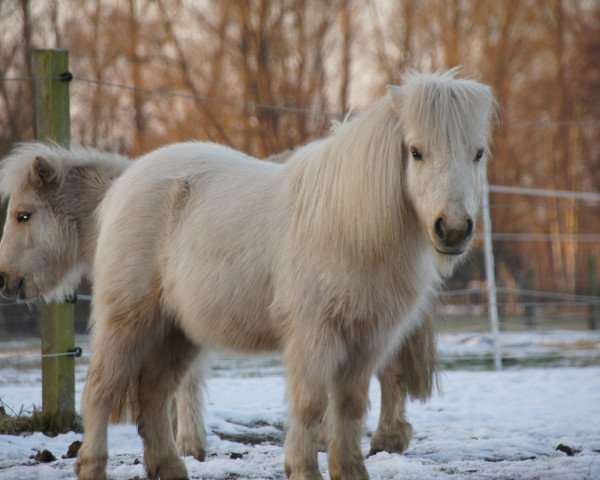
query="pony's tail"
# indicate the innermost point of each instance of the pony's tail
(126, 407)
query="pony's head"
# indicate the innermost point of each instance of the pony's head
(39, 244)
(51, 191)
(445, 124)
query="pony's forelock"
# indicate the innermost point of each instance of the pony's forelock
(15, 167)
(446, 111)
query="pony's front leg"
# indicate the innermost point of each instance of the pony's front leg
(191, 435)
(160, 375)
(348, 404)
(393, 431)
(307, 396)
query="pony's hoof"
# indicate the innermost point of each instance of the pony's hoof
(305, 476)
(198, 453)
(344, 466)
(302, 473)
(191, 449)
(165, 468)
(372, 452)
(90, 470)
(394, 440)
(349, 473)
(90, 465)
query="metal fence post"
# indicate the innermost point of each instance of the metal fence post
(51, 70)
(489, 270)
(594, 308)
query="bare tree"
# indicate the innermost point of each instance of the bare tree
(237, 66)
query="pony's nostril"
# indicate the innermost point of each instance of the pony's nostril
(1, 281)
(469, 230)
(440, 229)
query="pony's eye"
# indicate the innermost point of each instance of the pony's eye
(416, 155)
(23, 217)
(479, 155)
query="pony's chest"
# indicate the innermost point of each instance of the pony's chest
(380, 300)
(400, 284)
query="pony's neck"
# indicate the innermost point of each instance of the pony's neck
(89, 183)
(349, 188)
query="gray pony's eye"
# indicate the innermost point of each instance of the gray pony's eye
(23, 217)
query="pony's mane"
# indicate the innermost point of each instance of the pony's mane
(447, 112)
(15, 167)
(343, 180)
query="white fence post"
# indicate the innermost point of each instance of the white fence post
(489, 270)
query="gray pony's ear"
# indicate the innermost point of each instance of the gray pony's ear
(41, 173)
(395, 95)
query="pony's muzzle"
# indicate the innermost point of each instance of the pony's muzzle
(11, 291)
(451, 240)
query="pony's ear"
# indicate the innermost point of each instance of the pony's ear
(395, 95)
(41, 173)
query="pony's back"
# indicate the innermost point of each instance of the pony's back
(192, 220)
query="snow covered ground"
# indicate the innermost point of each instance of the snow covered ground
(483, 425)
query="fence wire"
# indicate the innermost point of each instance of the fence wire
(157, 91)
(584, 199)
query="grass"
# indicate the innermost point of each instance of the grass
(481, 323)
(531, 361)
(37, 421)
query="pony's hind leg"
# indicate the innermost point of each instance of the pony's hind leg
(393, 431)
(410, 372)
(118, 348)
(160, 376)
(348, 404)
(191, 435)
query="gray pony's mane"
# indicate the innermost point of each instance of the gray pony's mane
(15, 167)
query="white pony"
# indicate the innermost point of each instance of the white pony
(48, 244)
(329, 257)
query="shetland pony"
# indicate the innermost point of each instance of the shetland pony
(329, 257)
(49, 240)
(48, 245)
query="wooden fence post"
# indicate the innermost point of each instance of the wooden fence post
(51, 71)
